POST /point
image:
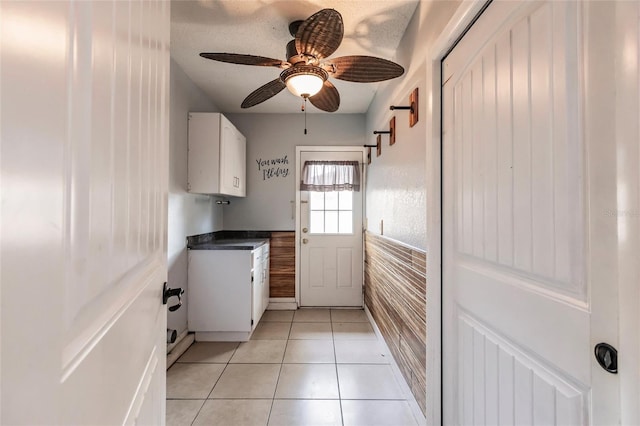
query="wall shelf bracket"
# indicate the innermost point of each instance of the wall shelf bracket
(412, 107)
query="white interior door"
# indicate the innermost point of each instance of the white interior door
(85, 89)
(330, 240)
(524, 290)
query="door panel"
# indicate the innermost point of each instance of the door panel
(315, 274)
(83, 333)
(331, 250)
(516, 201)
(517, 314)
(503, 385)
(344, 273)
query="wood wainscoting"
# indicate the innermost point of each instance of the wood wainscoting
(395, 293)
(282, 272)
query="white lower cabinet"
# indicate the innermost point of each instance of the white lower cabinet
(228, 292)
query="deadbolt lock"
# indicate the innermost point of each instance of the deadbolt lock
(305, 230)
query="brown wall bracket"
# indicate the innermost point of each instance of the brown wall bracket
(413, 107)
(369, 152)
(392, 127)
(391, 132)
(378, 146)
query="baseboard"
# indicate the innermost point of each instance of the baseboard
(181, 336)
(411, 399)
(179, 347)
(282, 304)
(222, 336)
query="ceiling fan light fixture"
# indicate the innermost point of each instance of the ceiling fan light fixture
(304, 80)
(304, 85)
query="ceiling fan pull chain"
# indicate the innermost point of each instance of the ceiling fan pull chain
(304, 108)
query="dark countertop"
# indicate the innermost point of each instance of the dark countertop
(229, 240)
(230, 244)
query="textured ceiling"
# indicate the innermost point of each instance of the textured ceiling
(261, 28)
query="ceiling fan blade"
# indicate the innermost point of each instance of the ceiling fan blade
(363, 69)
(235, 58)
(320, 34)
(263, 93)
(327, 99)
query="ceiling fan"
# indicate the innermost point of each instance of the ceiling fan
(307, 70)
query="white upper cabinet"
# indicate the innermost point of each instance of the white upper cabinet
(217, 156)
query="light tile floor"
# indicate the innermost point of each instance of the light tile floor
(306, 367)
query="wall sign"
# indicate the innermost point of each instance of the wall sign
(274, 167)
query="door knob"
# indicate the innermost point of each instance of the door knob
(305, 241)
(607, 357)
(305, 230)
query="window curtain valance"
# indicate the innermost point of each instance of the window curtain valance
(326, 176)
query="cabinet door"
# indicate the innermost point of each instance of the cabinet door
(220, 292)
(265, 278)
(232, 160)
(204, 153)
(228, 157)
(241, 164)
(256, 288)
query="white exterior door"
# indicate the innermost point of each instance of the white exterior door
(85, 89)
(529, 170)
(330, 240)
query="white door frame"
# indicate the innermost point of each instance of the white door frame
(363, 181)
(459, 22)
(629, 177)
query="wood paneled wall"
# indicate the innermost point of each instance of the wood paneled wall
(395, 293)
(282, 272)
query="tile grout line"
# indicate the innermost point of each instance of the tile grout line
(273, 399)
(199, 410)
(335, 359)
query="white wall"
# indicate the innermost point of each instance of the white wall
(189, 214)
(269, 202)
(396, 180)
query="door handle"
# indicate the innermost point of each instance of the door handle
(305, 241)
(607, 357)
(171, 292)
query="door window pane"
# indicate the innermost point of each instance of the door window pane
(331, 200)
(316, 222)
(345, 199)
(345, 222)
(316, 200)
(331, 222)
